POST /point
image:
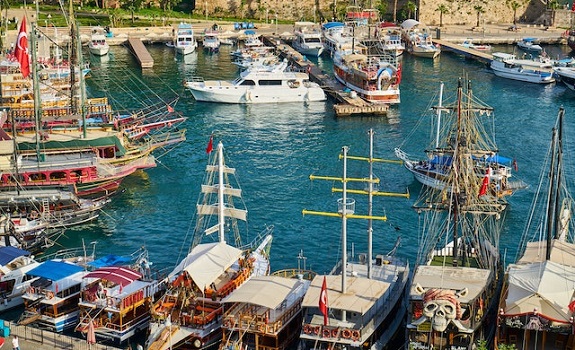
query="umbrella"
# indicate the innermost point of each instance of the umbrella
(91, 337)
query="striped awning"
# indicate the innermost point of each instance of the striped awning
(119, 275)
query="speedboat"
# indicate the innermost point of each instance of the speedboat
(418, 39)
(479, 47)
(308, 39)
(532, 71)
(185, 43)
(263, 85)
(14, 264)
(98, 45)
(528, 44)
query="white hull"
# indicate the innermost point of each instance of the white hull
(245, 95)
(185, 50)
(426, 52)
(518, 74)
(310, 51)
(99, 50)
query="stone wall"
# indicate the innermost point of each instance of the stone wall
(460, 12)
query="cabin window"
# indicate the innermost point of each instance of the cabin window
(58, 175)
(313, 40)
(265, 82)
(6, 287)
(248, 82)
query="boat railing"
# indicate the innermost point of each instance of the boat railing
(196, 79)
(127, 325)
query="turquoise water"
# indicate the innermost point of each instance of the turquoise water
(276, 147)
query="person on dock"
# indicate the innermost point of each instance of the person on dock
(15, 343)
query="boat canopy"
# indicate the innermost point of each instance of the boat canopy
(110, 260)
(266, 291)
(330, 25)
(119, 275)
(8, 254)
(529, 39)
(409, 23)
(561, 252)
(109, 141)
(206, 262)
(447, 160)
(55, 270)
(250, 32)
(362, 293)
(546, 287)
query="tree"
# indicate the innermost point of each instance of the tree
(479, 10)
(411, 8)
(442, 9)
(553, 5)
(395, 11)
(514, 6)
(382, 7)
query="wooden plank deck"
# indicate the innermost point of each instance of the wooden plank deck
(347, 105)
(468, 53)
(141, 53)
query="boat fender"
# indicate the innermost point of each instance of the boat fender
(50, 295)
(197, 343)
(326, 333)
(346, 333)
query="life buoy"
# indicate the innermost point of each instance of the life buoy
(50, 295)
(316, 330)
(110, 302)
(346, 333)
(334, 333)
(355, 335)
(307, 329)
(326, 333)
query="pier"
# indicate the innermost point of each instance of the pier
(142, 55)
(347, 103)
(464, 51)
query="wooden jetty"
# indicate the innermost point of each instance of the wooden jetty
(464, 51)
(142, 55)
(348, 103)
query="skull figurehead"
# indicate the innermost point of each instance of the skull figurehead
(441, 306)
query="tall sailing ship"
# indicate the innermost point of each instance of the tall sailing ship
(537, 302)
(435, 170)
(189, 314)
(455, 289)
(360, 304)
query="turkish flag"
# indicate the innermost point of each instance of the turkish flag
(21, 50)
(483, 189)
(210, 147)
(170, 109)
(572, 306)
(323, 301)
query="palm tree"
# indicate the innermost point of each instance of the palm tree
(442, 9)
(395, 11)
(479, 10)
(411, 8)
(553, 5)
(514, 6)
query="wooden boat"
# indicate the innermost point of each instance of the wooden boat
(189, 313)
(537, 302)
(455, 289)
(360, 304)
(116, 301)
(435, 170)
(263, 313)
(51, 301)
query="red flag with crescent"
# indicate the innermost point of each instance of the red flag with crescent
(323, 301)
(483, 189)
(21, 50)
(210, 146)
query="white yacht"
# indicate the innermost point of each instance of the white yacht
(185, 42)
(211, 41)
(308, 39)
(98, 45)
(532, 71)
(264, 85)
(337, 36)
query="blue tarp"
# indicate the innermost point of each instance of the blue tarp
(499, 160)
(441, 160)
(250, 32)
(329, 25)
(8, 254)
(55, 270)
(110, 260)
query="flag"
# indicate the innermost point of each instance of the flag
(170, 109)
(483, 189)
(210, 147)
(21, 50)
(121, 288)
(323, 301)
(515, 164)
(56, 288)
(572, 306)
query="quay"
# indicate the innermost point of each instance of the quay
(464, 51)
(31, 338)
(347, 103)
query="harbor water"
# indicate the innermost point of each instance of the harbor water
(275, 148)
